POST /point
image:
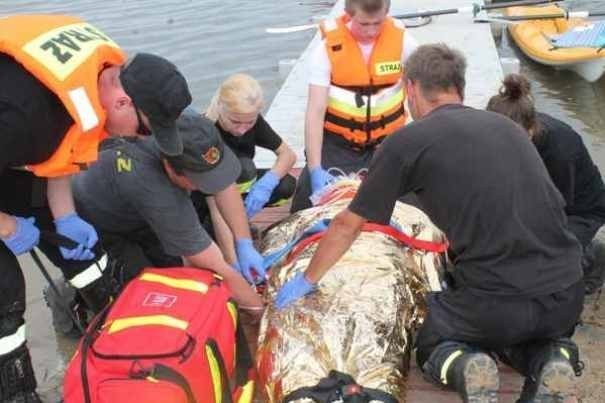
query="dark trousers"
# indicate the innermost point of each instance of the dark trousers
(335, 153)
(250, 173)
(593, 265)
(25, 195)
(514, 328)
(135, 251)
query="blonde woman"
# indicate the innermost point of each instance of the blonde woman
(236, 110)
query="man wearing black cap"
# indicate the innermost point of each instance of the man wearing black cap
(52, 117)
(138, 199)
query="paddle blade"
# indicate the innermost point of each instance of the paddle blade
(287, 30)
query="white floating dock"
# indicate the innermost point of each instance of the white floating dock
(483, 78)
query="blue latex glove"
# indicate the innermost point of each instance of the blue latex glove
(260, 193)
(249, 260)
(293, 290)
(271, 258)
(79, 231)
(25, 238)
(319, 179)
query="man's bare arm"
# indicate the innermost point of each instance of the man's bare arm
(314, 122)
(60, 197)
(212, 259)
(231, 207)
(224, 236)
(341, 234)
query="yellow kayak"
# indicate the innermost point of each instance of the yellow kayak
(531, 37)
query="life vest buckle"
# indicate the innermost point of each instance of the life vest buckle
(359, 99)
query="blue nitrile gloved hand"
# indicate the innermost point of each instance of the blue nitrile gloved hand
(319, 178)
(271, 258)
(260, 193)
(249, 260)
(293, 290)
(25, 238)
(79, 231)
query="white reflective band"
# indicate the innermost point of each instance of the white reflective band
(90, 275)
(579, 14)
(330, 25)
(12, 342)
(86, 113)
(447, 363)
(565, 353)
(381, 97)
(468, 9)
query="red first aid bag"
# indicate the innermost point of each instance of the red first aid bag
(170, 336)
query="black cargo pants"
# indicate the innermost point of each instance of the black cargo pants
(514, 328)
(25, 195)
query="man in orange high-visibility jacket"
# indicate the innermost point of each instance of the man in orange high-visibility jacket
(61, 84)
(356, 96)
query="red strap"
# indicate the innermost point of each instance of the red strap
(414, 243)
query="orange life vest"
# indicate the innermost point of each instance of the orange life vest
(66, 54)
(366, 100)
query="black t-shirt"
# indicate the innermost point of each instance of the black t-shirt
(479, 178)
(33, 121)
(261, 135)
(571, 168)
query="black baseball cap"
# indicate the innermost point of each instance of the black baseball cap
(206, 161)
(158, 89)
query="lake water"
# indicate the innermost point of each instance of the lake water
(211, 39)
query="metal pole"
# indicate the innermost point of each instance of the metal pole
(53, 286)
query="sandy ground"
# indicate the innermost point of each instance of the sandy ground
(590, 337)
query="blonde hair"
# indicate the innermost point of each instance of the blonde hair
(239, 93)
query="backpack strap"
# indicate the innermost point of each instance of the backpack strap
(85, 346)
(244, 363)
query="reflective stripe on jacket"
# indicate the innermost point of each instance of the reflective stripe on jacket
(366, 100)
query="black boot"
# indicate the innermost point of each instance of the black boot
(475, 378)
(98, 294)
(593, 265)
(63, 320)
(17, 379)
(553, 368)
(471, 373)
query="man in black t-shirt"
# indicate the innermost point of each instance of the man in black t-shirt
(517, 288)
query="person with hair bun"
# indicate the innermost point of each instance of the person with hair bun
(569, 164)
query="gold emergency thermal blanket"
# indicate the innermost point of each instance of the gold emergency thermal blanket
(367, 307)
